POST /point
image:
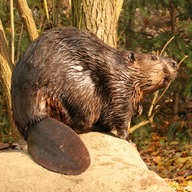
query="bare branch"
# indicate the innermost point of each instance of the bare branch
(27, 18)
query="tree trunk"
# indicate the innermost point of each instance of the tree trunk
(27, 18)
(98, 16)
(6, 68)
(176, 93)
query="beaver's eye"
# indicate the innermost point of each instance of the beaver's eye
(174, 64)
(131, 57)
(154, 57)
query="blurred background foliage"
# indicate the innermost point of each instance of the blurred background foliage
(144, 26)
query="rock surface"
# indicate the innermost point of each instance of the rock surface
(115, 166)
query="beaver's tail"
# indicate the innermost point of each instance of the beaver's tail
(57, 147)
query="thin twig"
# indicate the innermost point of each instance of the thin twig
(47, 12)
(150, 119)
(18, 49)
(163, 92)
(170, 81)
(166, 45)
(12, 31)
(153, 103)
(128, 127)
(161, 106)
(142, 123)
(126, 2)
(182, 60)
(156, 93)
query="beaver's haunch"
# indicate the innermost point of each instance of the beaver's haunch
(69, 78)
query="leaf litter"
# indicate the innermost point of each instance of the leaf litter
(171, 161)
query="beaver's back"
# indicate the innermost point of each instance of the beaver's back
(59, 76)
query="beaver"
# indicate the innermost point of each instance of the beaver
(67, 82)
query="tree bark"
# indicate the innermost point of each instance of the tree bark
(98, 16)
(27, 19)
(176, 93)
(6, 68)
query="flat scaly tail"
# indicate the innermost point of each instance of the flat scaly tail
(57, 147)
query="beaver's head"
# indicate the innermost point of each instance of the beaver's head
(152, 72)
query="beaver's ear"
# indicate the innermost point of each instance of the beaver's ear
(131, 57)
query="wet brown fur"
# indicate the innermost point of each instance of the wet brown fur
(72, 76)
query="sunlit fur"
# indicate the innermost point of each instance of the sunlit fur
(72, 76)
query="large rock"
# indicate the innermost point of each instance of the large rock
(115, 166)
